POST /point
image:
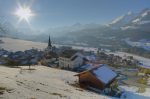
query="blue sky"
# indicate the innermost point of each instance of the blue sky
(54, 13)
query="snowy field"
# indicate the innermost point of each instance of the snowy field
(42, 83)
(49, 83)
(20, 45)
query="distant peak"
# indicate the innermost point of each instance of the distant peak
(129, 13)
(146, 9)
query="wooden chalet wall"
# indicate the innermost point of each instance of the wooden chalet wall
(88, 79)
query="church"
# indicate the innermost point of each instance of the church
(49, 47)
(50, 50)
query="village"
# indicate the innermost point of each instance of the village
(97, 71)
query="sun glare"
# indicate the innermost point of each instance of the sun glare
(24, 13)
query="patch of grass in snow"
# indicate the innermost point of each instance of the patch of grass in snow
(141, 90)
(143, 80)
(77, 86)
(144, 70)
(29, 69)
(26, 70)
(32, 98)
(2, 90)
(58, 94)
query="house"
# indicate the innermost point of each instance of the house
(70, 59)
(84, 67)
(99, 77)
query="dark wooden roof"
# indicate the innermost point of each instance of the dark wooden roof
(68, 53)
(51, 55)
(74, 58)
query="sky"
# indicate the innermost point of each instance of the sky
(57, 13)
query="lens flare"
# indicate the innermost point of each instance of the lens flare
(24, 13)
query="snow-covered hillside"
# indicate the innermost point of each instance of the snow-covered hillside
(42, 83)
(132, 20)
(20, 45)
(50, 83)
(143, 18)
(142, 21)
(122, 20)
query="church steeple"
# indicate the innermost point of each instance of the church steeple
(49, 42)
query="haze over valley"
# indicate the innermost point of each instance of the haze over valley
(131, 26)
(74, 49)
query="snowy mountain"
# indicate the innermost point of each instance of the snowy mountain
(143, 18)
(122, 20)
(142, 21)
(2, 29)
(135, 26)
(6, 28)
(132, 21)
(62, 31)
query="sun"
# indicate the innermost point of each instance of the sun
(24, 13)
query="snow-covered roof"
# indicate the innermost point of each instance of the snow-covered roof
(104, 74)
(91, 57)
(68, 53)
(87, 66)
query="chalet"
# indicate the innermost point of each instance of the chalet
(98, 77)
(70, 59)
